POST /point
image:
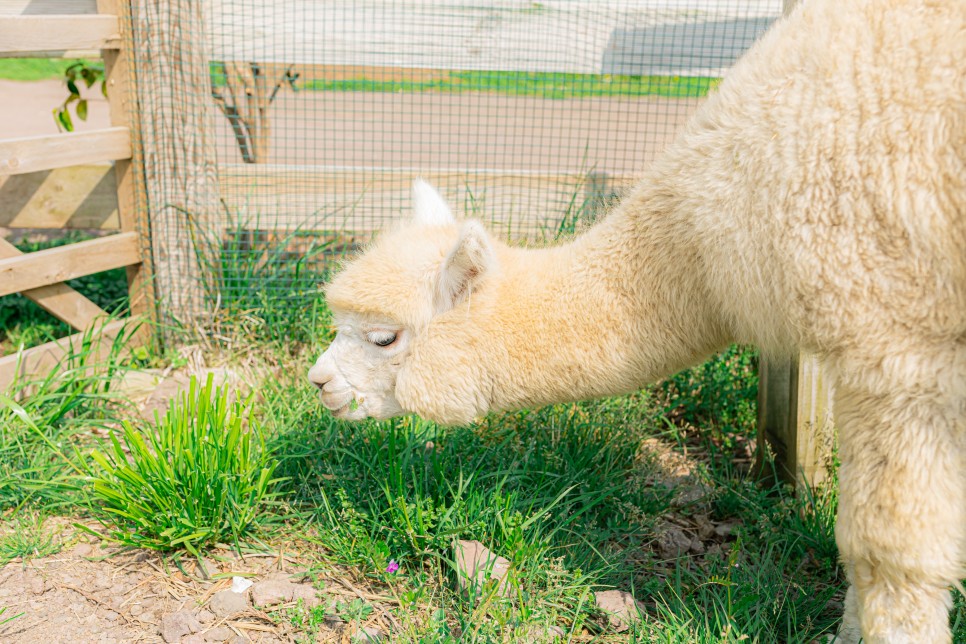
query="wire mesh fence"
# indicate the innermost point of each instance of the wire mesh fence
(303, 123)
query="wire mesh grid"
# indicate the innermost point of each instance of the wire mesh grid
(306, 121)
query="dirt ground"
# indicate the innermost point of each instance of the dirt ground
(419, 131)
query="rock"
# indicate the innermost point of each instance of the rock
(37, 585)
(110, 616)
(672, 542)
(82, 550)
(136, 609)
(225, 603)
(697, 547)
(475, 564)
(724, 529)
(219, 634)
(307, 594)
(536, 633)
(368, 634)
(621, 608)
(272, 591)
(176, 625)
(205, 616)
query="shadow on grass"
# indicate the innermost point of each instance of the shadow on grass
(569, 496)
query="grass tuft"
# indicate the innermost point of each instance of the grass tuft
(201, 475)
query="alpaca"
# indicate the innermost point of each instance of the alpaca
(817, 202)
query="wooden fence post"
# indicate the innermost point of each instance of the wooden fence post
(122, 98)
(178, 152)
(795, 410)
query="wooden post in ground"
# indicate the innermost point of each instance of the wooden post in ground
(795, 410)
(122, 98)
(177, 148)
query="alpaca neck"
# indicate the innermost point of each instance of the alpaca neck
(621, 306)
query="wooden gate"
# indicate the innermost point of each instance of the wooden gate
(67, 181)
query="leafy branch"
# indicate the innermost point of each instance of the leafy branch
(87, 73)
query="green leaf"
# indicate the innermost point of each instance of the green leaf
(72, 88)
(82, 110)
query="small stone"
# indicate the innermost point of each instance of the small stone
(672, 542)
(219, 634)
(176, 625)
(334, 623)
(82, 550)
(621, 608)
(697, 547)
(225, 603)
(37, 586)
(205, 616)
(307, 594)
(368, 634)
(724, 529)
(272, 591)
(110, 616)
(136, 609)
(475, 564)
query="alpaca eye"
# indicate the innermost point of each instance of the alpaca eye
(381, 338)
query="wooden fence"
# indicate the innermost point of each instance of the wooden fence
(68, 181)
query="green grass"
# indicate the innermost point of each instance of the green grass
(35, 69)
(566, 494)
(554, 85)
(200, 475)
(24, 323)
(42, 434)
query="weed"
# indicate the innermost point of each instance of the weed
(27, 539)
(41, 431)
(7, 620)
(200, 475)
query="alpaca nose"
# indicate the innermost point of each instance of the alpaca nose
(320, 377)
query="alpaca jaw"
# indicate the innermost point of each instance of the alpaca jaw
(356, 377)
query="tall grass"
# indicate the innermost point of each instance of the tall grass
(44, 422)
(200, 475)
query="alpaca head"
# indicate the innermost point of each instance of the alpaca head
(384, 301)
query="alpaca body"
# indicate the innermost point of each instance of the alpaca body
(817, 201)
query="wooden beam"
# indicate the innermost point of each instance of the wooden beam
(122, 99)
(38, 361)
(24, 35)
(46, 7)
(35, 153)
(60, 300)
(76, 197)
(361, 200)
(54, 265)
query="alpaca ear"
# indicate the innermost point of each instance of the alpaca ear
(429, 206)
(465, 266)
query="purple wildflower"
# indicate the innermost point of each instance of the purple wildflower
(392, 567)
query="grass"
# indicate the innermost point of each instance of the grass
(577, 497)
(35, 69)
(200, 475)
(24, 324)
(552, 85)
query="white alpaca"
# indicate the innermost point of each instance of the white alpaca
(816, 201)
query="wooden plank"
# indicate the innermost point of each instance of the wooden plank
(53, 265)
(46, 7)
(60, 300)
(24, 35)
(777, 400)
(39, 361)
(815, 427)
(122, 97)
(178, 154)
(519, 203)
(76, 197)
(35, 153)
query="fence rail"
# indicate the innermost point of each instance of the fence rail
(48, 182)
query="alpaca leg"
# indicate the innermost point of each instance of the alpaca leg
(850, 631)
(902, 507)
